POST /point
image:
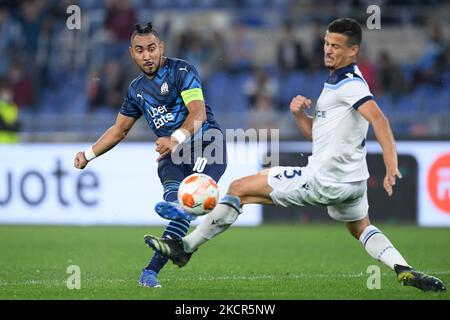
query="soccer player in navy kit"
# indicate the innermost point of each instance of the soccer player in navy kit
(169, 95)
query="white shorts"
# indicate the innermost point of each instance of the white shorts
(345, 201)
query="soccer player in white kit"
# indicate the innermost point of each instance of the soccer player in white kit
(336, 174)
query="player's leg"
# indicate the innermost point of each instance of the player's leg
(355, 215)
(283, 186)
(251, 189)
(209, 158)
(379, 247)
(353, 210)
(170, 176)
(375, 242)
(212, 164)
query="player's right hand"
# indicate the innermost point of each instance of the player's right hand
(80, 161)
(389, 181)
(299, 103)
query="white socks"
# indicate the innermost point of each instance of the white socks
(226, 212)
(216, 222)
(380, 248)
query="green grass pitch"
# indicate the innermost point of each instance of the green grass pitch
(316, 261)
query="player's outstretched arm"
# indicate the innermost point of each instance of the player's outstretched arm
(304, 122)
(383, 132)
(107, 141)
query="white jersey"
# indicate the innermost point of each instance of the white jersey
(339, 130)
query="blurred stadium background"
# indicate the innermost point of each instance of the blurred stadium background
(60, 89)
(253, 57)
(69, 84)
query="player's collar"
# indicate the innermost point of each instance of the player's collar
(335, 76)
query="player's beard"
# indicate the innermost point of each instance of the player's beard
(330, 65)
(157, 66)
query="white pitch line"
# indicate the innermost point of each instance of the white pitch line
(204, 278)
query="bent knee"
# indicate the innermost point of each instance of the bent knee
(237, 188)
(356, 228)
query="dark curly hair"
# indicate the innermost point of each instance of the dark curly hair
(147, 29)
(349, 27)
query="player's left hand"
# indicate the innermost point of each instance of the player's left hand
(389, 181)
(164, 146)
(80, 161)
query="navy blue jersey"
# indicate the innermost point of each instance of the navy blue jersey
(160, 99)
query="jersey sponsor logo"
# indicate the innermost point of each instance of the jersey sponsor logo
(141, 95)
(160, 115)
(183, 69)
(350, 75)
(164, 88)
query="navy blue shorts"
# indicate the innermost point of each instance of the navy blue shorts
(208, 157)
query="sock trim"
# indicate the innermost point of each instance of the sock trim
(179, 224)
(175, 231)
(231, 201)
(369, 235)
(168, 192)
(231, 206)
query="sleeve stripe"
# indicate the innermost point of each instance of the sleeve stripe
(190, 82)
(358, 103)
(191, 95)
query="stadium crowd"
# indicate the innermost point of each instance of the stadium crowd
(50, 69)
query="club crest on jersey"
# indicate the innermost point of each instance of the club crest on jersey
(164, 88)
